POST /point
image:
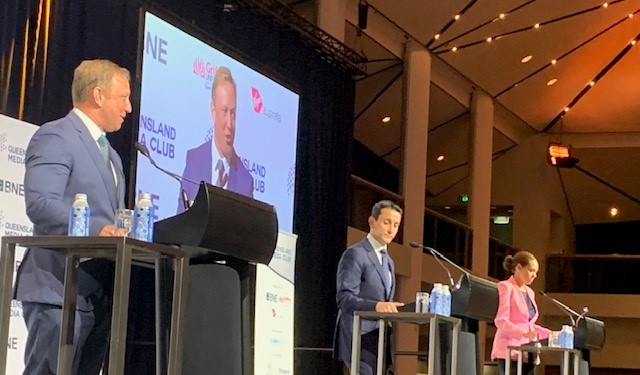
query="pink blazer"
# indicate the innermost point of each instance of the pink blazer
(512, 318)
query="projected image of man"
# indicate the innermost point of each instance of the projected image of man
(216, 161)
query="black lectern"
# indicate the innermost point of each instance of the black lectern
(589, 334)
(226, 234)
(475, 299)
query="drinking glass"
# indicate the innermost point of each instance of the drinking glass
(124, 221)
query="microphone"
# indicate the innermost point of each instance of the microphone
(437, 255)
(141, 148)
(567, 310)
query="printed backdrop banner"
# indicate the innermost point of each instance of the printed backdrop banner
(14, 137)
(274, 322)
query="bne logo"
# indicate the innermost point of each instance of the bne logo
(257, 100)
(156, 47)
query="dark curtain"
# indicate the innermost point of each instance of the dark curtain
(108, 29)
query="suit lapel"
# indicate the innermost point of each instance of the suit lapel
(92, 149)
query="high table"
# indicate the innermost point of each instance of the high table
(123, 250)
(403, 317)
(534, 350)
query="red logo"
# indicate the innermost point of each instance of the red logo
(199, 67)
(257, 100)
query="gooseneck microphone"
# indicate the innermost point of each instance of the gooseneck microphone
(567, 310)
(141, 148)
(437, 255)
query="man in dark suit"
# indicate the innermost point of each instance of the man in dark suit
(65, 157)
(366, 282)
(216, 161)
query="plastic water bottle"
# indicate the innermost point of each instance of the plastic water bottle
(79, 216)
(143, 218)
(435, 300)
(566, 337)
(446, 300)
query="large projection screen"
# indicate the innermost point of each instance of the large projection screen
(177, 117)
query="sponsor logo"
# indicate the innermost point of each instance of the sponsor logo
(204, 70)
(272, 297)
(260, 108)
(257, 99)
(15, 154)
(3, 142)
(12, 344)
(14, 229)
(11, 187)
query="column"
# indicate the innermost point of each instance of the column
(480, 162)
(417, 80)
(331, 17)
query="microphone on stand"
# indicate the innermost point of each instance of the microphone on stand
(567, 310)
(437, 255)
(141, 148)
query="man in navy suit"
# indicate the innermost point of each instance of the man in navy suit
(366, 282)
(65, 157)
(216, 161)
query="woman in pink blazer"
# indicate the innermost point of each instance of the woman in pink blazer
(517, 310)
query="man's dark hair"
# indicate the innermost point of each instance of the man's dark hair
(377, 208)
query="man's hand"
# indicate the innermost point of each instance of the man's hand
(388, 307)
(110, 231)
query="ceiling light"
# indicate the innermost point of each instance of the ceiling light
(592, 83)
(447, 207)
(440, 158)
(605, 5)
(552, 81)
(566, 109)
(536, 26)
(456, 17)
(436, 37)
(633, 42)
(386, 119)
(454, 49)
(526, 59)
(554, 61)
(502, 16)
(613, 211)
(489, 39)
(630, 15)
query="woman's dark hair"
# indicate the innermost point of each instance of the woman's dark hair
(523, 258)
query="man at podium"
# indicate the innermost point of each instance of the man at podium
(366, 281)
(66, 157)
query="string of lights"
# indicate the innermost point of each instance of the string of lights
(535, 26)
(556, 60)
(451, 22)
(500, 17)
(592, 83)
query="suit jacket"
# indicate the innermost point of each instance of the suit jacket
(359, 287)
(199, 167)
(512, 318)
(62, 159)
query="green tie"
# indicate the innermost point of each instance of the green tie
(103, 143)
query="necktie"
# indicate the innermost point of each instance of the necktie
(103, 143)
(386, 271)
(222, 176)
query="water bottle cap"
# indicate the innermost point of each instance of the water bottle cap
(82, 196)
(145, 196)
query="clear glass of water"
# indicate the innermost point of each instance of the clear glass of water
(554, 339)
(422, 302)
(124, 222)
